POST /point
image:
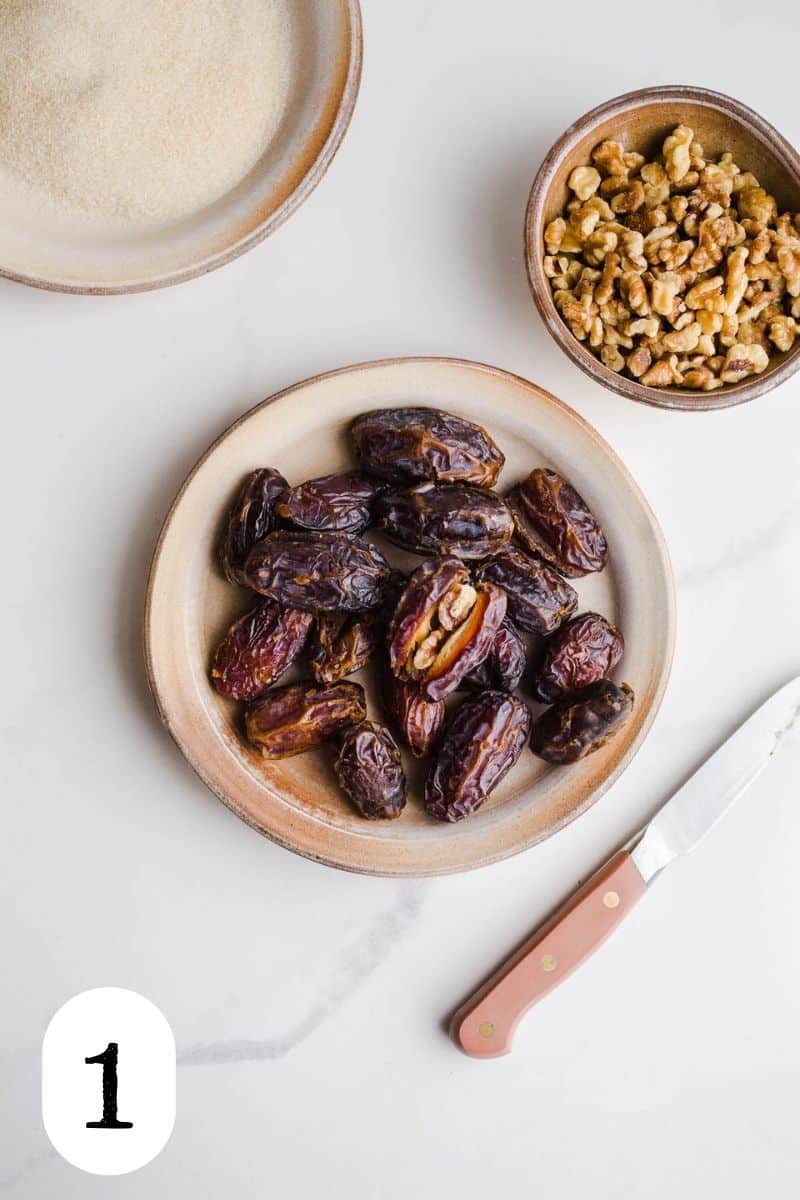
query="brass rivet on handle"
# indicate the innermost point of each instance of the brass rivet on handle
(611, 899)
(547, 962)
(486, 1029)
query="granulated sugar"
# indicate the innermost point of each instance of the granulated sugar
(139, 109)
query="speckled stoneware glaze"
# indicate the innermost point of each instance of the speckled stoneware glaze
(641, 120)
(304, 432)
(63, 255)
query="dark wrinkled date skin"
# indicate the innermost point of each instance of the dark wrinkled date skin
(257, 649)
(573, 728)
(300, 716)
(504, 665)
(250, 519)
(443, 626)
(539, 599)
(580, 653)
(342, 644)
(395, 586)
(425, 443)
(418, 720)
(370, 771)
(553, 521)
(484, 741)
(319, 572)
(456, 518)
(341, 503)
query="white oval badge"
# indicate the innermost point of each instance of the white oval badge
(108, 1081)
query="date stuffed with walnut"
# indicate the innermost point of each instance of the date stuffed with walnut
(454, 518)
(443, 627)
(425, 443)
(484, 741)
(556, 523)
(258, 649)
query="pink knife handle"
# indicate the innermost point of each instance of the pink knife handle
(484, 1026)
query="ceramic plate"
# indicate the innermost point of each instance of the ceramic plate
(65, 254)
(303, 432)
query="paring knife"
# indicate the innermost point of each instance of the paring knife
(484, 1026)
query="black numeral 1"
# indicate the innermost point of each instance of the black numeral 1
(109, 1060)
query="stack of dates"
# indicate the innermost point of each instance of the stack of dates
(494, 570)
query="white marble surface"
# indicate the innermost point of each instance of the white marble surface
(307, 1003)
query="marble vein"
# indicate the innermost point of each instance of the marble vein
(357, 962)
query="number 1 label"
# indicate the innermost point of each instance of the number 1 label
(133, 1077)
(109, 1060)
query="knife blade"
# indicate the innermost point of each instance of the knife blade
(484, 1025)
(695, 808)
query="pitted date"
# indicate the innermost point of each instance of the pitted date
(484, 741)
(553, 521)
(425, 443)
(539, 600)
(575, 727)
(453, 518)
(417, 719)
(417, 603)
(300, 716)
(581, 652)
(443, 626)
(370, 771)
(250, 519)
(342, 644)
(504, 665)
(319, 572)
(334, 502)
(257, 649)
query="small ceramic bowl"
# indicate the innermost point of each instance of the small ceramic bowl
(641, 120)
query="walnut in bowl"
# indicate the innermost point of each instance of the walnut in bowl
(663, 248)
